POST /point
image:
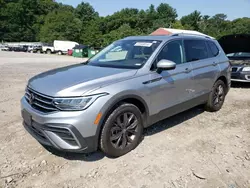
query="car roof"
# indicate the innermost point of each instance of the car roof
(166, 37)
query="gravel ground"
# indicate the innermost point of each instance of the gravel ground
(192, 149)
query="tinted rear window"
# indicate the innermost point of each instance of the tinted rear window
(195, 50)
(214, 49)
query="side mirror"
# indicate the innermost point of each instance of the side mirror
(166, 65)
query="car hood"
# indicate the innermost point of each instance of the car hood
(235, 43)
(77, 80)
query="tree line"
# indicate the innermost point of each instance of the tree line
(47, 20)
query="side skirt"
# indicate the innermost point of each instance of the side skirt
(177, 109)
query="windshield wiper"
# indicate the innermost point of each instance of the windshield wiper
(85, 63)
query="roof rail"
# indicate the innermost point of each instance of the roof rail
(191, 34)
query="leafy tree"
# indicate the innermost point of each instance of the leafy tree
(241, 25)
(177, 25)
(151, 13)
(123, 31)
(204, 23)
(20, 19)
(166, 12)
(47, 20)
(192, 20)
(125, 16)
(85, 12)
(60, 25)
(218, 26)
(67, 8)
(91, 34)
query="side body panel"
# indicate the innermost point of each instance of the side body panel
(205, 73)
(170, 88)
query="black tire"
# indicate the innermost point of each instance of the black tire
(122, 131)
(216, 97)
(48, 51)
(60, 53)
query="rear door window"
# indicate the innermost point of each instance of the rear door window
(214, 49)
(195, 50)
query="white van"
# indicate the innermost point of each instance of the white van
(62, 47)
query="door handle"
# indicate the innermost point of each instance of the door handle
(214, 64)
(187, 70)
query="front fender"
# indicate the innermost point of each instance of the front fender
(110, 105)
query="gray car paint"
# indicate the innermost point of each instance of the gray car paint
(157, 91)
(75, 80)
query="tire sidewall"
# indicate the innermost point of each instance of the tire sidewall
(106, 145)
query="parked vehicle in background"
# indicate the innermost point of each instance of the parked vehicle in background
(30, 49)
(10, 48)
(240, 62)
(237, 48)
(131, 84)
(48, 48)
(37, 49)
(19, 48)
(3, 47)
(62, 47)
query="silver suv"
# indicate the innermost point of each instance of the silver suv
(106, 102)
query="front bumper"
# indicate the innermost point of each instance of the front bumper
(240, 76)
(67, 131)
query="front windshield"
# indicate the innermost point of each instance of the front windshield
(129, 54)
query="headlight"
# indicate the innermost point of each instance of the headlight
(76, 103)
(246, 69)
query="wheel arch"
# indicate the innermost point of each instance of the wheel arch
(132, 99)
(224, 79)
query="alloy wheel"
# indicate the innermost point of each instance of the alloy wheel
(218, 95)
(124, 130)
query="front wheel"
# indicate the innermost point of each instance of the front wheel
(122, 131)
(216, 97)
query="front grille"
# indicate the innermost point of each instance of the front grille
(234, 69)
(39, 102)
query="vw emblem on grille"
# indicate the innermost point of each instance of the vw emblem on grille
(31, 98)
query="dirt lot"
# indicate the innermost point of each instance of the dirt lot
(192, 149)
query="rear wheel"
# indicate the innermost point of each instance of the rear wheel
(216, 97)
(60, 53)
(122, 131)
